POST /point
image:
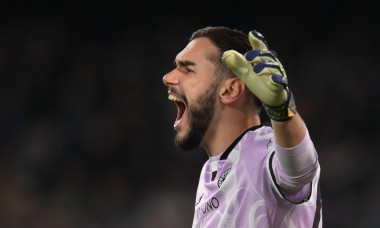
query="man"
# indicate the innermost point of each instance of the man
(256, 176)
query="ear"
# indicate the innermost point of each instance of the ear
(230, 90)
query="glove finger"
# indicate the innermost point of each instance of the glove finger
(268, 67)
(277, 78)
(257, 56)
(236, 63)
(257, 40)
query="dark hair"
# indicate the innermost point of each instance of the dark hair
(225, 39)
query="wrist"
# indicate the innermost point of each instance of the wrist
(283, 112)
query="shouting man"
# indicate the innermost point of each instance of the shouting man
(256, 176)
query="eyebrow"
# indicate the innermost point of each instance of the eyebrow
(184, 63)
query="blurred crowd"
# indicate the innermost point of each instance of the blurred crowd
(86, 127)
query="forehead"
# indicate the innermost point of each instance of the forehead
(197, 50)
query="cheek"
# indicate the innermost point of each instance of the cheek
(197, 89)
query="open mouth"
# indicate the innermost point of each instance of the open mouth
(181, 107)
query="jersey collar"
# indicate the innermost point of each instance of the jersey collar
(232, 146)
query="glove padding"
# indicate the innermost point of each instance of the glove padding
(264, 75)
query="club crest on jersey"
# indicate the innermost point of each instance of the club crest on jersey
(223, 177)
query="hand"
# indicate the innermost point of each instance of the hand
(264, 75)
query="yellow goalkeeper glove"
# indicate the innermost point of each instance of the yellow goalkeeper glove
(264, 75)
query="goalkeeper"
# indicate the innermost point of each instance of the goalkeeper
(256, 176)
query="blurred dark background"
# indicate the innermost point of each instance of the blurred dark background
(86, 127)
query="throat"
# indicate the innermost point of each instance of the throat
(211, 142)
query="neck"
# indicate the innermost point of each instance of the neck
(225, 129)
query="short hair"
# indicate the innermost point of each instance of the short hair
(225, 39)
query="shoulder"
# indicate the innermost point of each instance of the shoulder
(253, 150)
(258, 142)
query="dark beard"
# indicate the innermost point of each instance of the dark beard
(199, 117)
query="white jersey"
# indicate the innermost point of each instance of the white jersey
(238, 189)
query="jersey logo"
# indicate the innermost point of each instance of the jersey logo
(223, 177)
(200, 198)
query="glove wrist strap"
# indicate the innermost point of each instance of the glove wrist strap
(283, 112)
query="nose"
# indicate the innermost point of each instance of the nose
(170, 78)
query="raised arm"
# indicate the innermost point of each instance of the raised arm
(295, 163)
(265, 76)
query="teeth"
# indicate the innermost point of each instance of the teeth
(174, 98)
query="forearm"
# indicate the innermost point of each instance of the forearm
(296, 166)
(289, 133)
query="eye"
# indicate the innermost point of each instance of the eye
(188, 70)
(184, 69)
